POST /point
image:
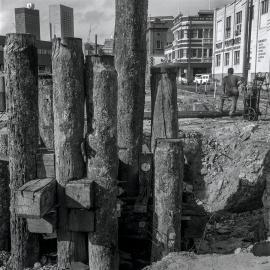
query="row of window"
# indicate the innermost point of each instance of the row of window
(236, 59)
(195, 33)
(44, 51)
(238, 26)
(195, 53)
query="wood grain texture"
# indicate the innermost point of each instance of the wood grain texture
(130, 63)
(36, 198)
(103, 165)
(21, 69)
(169, 168)
(45, 108)
(68, 107)
(165, 117)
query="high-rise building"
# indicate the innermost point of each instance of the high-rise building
(61, 21)
(27, 20)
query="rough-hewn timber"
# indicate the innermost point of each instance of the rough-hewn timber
(45, 109)
(103, 165)
(165, 119)
(2, 94)
(130, 59)
(22, 89)
(68, 106)
(169, 168)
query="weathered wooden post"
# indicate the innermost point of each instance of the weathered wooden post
(68, 106)
(45, 108)
(21, 71)
(169, 168)
(2, 94)
(130, 60)
(103, 165)
(89, 92)
(165, 115)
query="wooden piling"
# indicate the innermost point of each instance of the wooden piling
(45, 108)
(130, 59)
(68, 107)
(21, 69)
(2, 94)
(169, 168)
(103, 165)
(165, 115)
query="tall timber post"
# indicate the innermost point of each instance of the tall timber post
(21, 69)
(68, 106)
(102, 165)
(130, 62)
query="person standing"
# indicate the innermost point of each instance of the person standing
(230, 89)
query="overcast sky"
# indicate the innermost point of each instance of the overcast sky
(99, 14)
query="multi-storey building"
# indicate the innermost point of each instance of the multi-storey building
(242, 38)
(61, 21)
(44, 49)
(191, 49)
(158, 36)
(27, 20)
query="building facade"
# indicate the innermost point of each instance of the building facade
(44, 49)
(61, 21)
(27, 20)
(242, 39)
(191, 50)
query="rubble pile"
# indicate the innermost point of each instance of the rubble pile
(186, 261)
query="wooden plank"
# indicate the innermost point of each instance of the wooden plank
(80, 194)
(81, 220)
(45, 165)
(45, 225)
(36, 198)
(198, 114)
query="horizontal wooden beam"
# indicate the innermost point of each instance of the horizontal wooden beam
(198, 114)
(45, 225)
(81, 220)
(80, 194)
(36, 198)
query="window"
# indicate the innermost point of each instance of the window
(210, 52)
(194, 53)
(238, 23)
(199, 53)
(228, 27)
(182, 34)
(181, 53)
(206, 33)
(205, 53)
(265, 6)
(158, 44)
(237, 57)
(200, 33)
(194, 34)
(227, 59)
(218, 57)
(173, 55)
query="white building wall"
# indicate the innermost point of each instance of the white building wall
(260, 39)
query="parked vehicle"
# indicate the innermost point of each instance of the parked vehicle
(182, 80)
(202, 78)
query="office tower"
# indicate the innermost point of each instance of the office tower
(61, 21)
(27, 20)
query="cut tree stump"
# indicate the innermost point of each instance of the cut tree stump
(36, 198)
(130, 63)
(68, 107)
(102, 165)
(165, 118)
(21, 71)
(169, 171)
(80, 194)
(45, 108)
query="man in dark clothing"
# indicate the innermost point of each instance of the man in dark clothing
(230, 88)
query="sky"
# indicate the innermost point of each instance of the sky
(97, 14)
